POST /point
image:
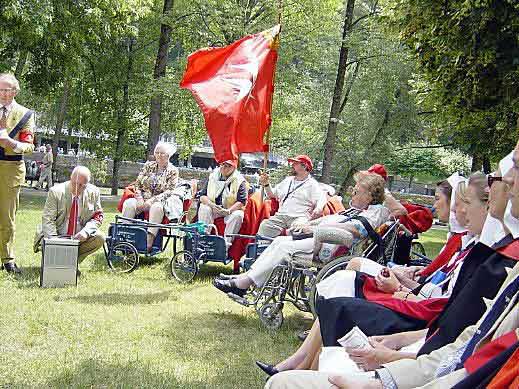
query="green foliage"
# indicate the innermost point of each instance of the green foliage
(437, 163)
(99, 169)
(468, 68)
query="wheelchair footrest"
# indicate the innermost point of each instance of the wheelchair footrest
(239, 299)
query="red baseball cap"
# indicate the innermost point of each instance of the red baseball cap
(379, 169)
(232, 162)
(304, 159)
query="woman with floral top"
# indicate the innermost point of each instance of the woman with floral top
(154, 185)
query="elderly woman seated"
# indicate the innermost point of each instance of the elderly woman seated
(367, 195)
(154, 185)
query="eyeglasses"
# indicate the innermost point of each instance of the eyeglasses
(7, 90)
(491, 179)
(226, 165)
(160, 153)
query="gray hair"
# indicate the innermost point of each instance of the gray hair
(80, 170)
(168, 148)
(11, 79)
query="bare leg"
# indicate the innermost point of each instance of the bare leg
(314, 348)
(296, 360)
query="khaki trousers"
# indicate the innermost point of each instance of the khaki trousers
(12, 176)
(232, 222)
(46, 175)
(280, 251)
(274, 225)
(90, 246)
(308, 379)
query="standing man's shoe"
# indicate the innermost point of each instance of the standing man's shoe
(11, 267)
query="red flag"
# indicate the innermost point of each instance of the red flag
(233, 86)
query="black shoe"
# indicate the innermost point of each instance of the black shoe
(11, 267)
(302, 335)
(270, 370)
(228, 286)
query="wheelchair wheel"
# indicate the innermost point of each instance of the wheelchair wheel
(123, 258)
(271, 315)
(327, 270)
(183, 266)
(417, 248)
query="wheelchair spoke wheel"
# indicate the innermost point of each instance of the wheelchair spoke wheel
(330, 268)
(271, 315)
(183, 266)
(417, 248)
(123, 258)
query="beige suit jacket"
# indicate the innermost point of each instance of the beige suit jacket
(413, 373)
(15, 115)
(57, 209)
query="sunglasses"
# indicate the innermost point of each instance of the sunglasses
(491, 179)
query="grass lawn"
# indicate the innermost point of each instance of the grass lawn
(137, 330)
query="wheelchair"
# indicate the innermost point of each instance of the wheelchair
(295, 281)
(192, 246)
(127, 241)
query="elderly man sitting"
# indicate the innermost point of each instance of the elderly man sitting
(224, 196)
(73, 208)
(367, 196)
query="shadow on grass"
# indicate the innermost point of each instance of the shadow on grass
(123, 298)
(98, 374)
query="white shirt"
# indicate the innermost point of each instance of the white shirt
(299, 198)
(376, 215)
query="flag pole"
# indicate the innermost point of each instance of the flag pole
(267, 138)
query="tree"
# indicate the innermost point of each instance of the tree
(158, 73)
(468, 71)
(335, 110)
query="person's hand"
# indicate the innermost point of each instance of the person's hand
(205, 200)
(223, 211)
(400, 295)
(345, 382)
(264, 179)
(301, 229)
(393, 342)
(315, 214)
(373, 358)
(387, 284)
(411, 272)
(81, 236)
(148, 203)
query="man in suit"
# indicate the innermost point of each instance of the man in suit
(448, 365)
(73, 208)
(16, 139)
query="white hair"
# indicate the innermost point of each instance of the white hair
(11, 79)
(81, 171)
(168, 148)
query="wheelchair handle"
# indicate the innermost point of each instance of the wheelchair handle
(255, 237)
(406, 230)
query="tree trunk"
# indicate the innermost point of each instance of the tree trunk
(159, 72)
(477, 162)
(68, 145)
(20, 64)
(487, 169)
(60, 120)
(331, 133)
(123, 121)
